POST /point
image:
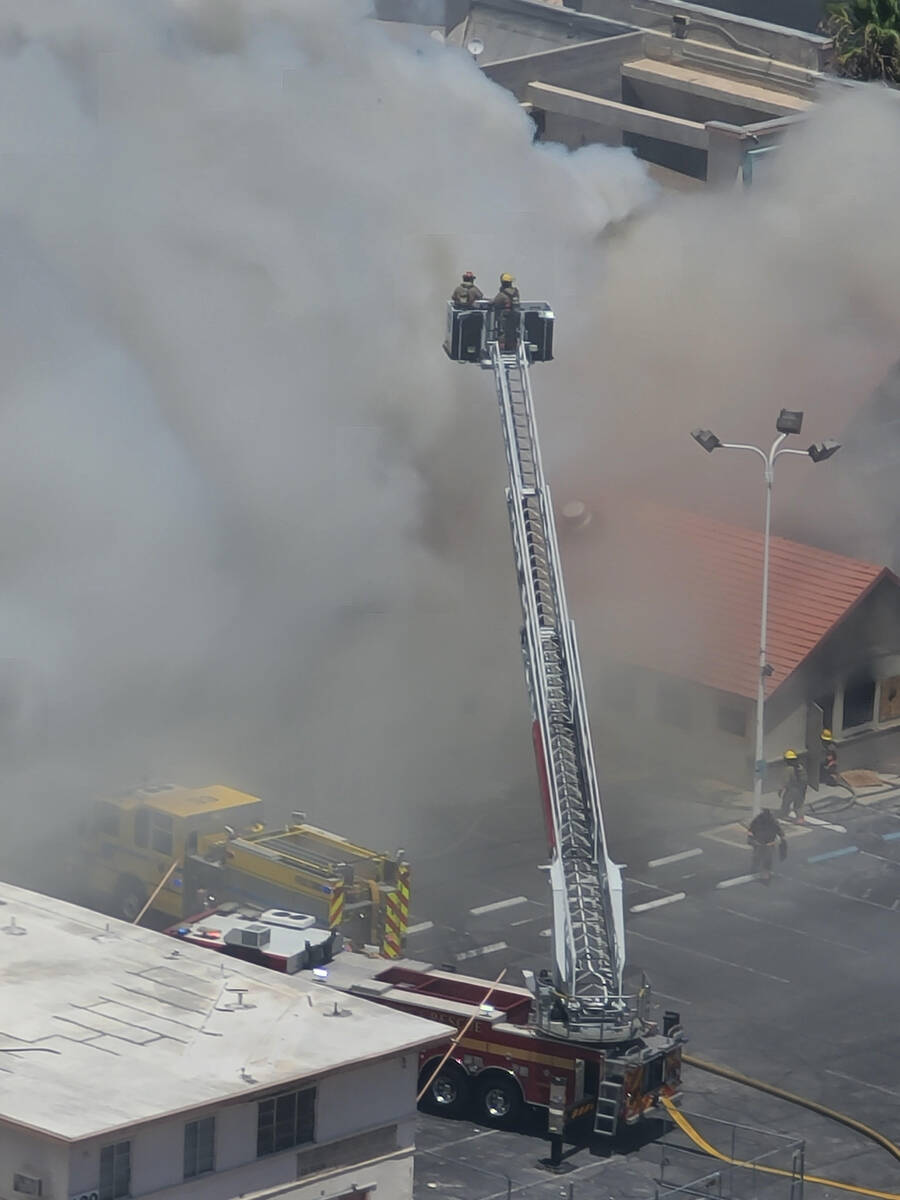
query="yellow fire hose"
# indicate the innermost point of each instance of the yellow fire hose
(727, 1073)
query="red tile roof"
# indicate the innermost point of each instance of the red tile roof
(681, 594)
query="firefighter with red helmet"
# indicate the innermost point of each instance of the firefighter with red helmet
(466, 293)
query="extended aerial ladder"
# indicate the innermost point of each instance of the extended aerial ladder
(583, 998)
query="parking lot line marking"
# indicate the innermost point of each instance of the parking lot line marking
(486, 908)
(657, 903)
(833, 892)
(654, 887)
(726, 883)
(526, 921)
(701, 954)
(825, 824)
(670, 858)
(482, 950)
(669, 996)
(861, 1082)
(421, 927)
(792, 929)
(834, 854)
(890, 837)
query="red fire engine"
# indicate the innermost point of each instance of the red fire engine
(499, 1060)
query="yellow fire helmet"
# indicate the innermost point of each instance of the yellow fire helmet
(790, 755)
(506, 278)
(826, 735)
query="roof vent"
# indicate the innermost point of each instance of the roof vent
(338, 1011)
(239, 1004)
(13, 929)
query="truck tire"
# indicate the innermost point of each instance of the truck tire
(498, 1100)
(448, 1095)
(129, 897)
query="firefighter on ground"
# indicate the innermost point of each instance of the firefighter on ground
(793, 794)
(506, 313)
(828, 771)
(466, 293)
(763, 832)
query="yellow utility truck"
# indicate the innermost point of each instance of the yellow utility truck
(210, 847)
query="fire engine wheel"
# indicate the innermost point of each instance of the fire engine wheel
(498, 1100)
(130, 897)
(448, 1096)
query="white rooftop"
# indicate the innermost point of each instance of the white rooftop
(86, 997)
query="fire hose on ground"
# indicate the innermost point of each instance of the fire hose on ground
(850, 1122)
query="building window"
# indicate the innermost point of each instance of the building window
(115, 1171)
(161, 833)
(154, 829)
(889, 699)
(731, 718)
(199, 1147)
(826, 703)
(859, 702)
(106, 819)
(285, 1121)
(673, 704)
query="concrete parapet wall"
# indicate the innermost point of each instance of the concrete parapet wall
(712, 27)
(619, 116)
(769, 72)
(593, 67)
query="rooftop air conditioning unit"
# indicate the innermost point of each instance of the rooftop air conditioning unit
(288, 920)
(27, 1185)
(255, 936)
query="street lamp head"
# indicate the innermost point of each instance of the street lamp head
(819, 451)
(789, 421)
(705, 438)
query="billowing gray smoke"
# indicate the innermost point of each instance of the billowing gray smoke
(251, 516)
(719, 310)
(253, 524)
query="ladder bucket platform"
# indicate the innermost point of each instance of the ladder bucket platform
(470, 331)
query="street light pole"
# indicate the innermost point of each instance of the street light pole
(788, 422)
(759, 762)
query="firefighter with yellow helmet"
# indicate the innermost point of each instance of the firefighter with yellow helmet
(828, 772)
(506, 304)
(793, 794)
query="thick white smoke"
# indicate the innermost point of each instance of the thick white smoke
(253, 519)
(719, 310)
(251, 513)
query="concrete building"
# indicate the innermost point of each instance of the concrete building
(676, 623)
(697, 92)
(133, 1065)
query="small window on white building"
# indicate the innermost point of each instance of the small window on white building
(199, 1147)
(115, 1171)
(285, 1121)
(859, 702)
(731, 718)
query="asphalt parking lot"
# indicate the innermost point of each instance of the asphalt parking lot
(794, 983)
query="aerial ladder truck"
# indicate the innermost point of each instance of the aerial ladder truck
(583, 998)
